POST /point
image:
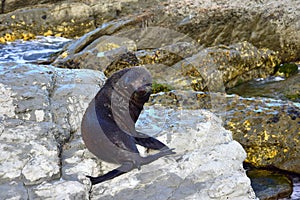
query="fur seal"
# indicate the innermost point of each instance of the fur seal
(108, 125)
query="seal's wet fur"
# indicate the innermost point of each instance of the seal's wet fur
(108, 125)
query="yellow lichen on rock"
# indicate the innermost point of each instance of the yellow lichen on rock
(27, 36)
(64, 54)
(247, 125)
(258, 159)
(231, 124)
(9, 37)
(48, 33)
(61, 28)
(2, 40)
(266, 136)
(112, 45)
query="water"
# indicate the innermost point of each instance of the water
(296, 189)
(39, 49)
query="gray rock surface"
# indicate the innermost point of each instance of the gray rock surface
(267, 128)
(43, 156)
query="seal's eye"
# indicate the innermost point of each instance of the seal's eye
(142, 92)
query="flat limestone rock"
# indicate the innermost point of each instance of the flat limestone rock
(43, 156)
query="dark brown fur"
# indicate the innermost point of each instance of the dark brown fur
(108, 126)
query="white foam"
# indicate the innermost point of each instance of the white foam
(41, 48)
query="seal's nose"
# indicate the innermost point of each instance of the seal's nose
(147, 88)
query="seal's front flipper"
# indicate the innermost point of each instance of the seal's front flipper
(150, 142)
(151, 158)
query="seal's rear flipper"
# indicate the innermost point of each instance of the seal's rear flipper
(150, 142)
(124, 168)
(110, 175)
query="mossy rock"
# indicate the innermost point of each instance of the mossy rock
(286, 69)
(293, 97)
(158, 87)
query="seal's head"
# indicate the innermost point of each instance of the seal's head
(133, 79)
(131, 89)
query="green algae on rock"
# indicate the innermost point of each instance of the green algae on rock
(158, 87)
(286, 69)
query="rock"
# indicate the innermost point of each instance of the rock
(232, 64)
(60, 190)
(36, 122)
(266, 24)
(96, 50)
(13, 190)
(286, 69)
(195, 172)
(270, 185)
(183, 64)
(268, 129)
(292, 89)
(260, 23)
(12, 5)
(63, 19)
(43, 155)
(288, 89)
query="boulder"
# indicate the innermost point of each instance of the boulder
(270, 184)
(228, 66)
(267, 128)
(63, 19)
(266, 24)
(183, 64)
(287, 89)
(11, 5)
(43, 155)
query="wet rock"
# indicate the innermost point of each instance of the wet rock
(183, 65)
(266, 24)
(268, 129)
(43, 155)
(270, 185)
(96, 50)
(286, 69)
(227, 66)
(288, 89)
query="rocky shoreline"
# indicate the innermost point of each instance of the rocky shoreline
(43, 156)
(197, 51)
(266, 24)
